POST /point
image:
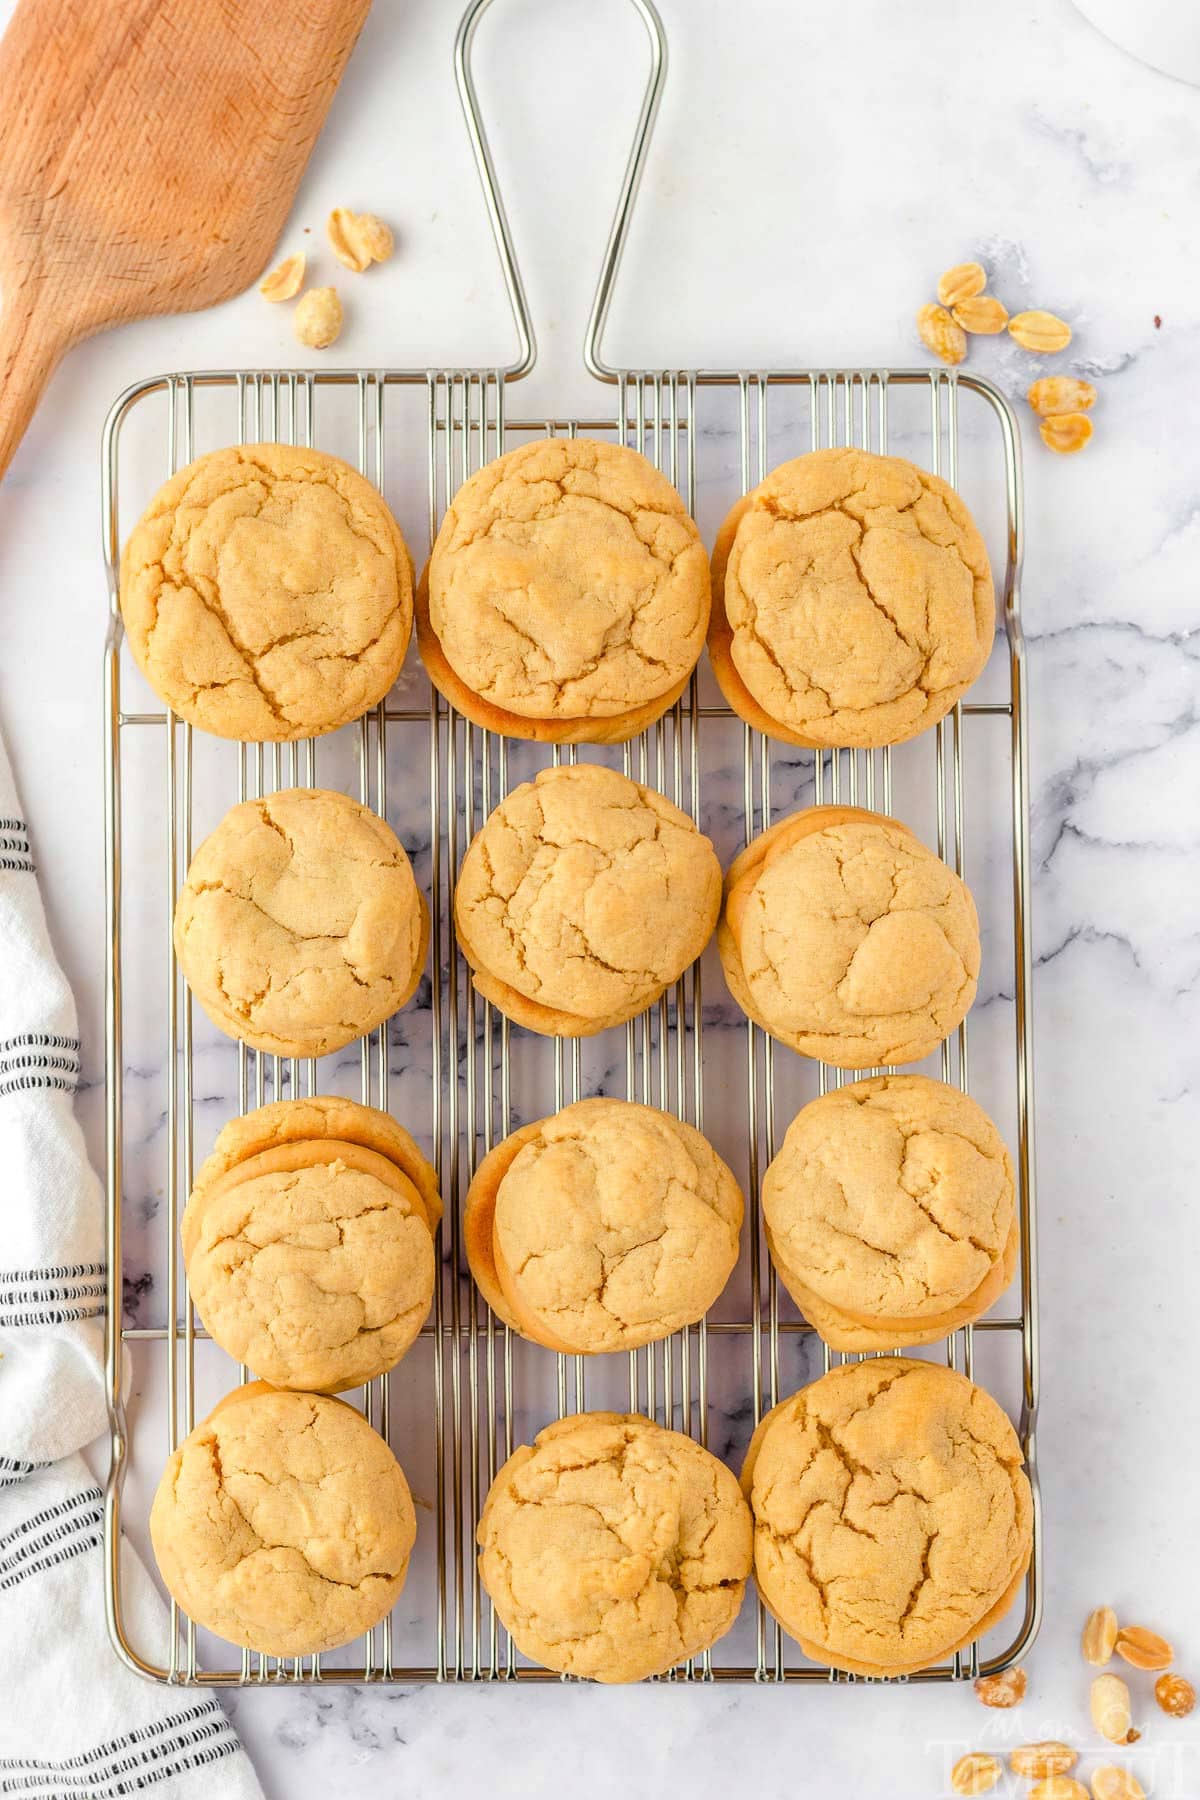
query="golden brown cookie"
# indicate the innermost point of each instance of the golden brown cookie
(613, 1548)
(605, 1227)
(312, 1263)
(567, 596)
(285, 1122)
(582, 898)
(890, 1212)
(300, 926)
(267, 593)
(893, 1521)
(283, 1522)
(843, 936)
(852, 601)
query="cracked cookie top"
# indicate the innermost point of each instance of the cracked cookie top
(852, 600)
(300, 926)
(892, 1517)
(584, 895)
(613, 1548)
(311, 1262)
(891, 1201)
(568, 583)
(283, 1522)
(843, 936)
(267, 593)
(604, 1227)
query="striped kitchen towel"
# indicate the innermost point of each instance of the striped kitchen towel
(52, 1245)
(75, 1722)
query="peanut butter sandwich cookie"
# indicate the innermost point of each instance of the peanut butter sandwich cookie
(890, 1212)
(844, 937)
(852, 601)
(613, 1548)
(300, 926)
(582, 898)
(567, 596)
(308, 1241)
(602, 1228)
(893, 1521)
(267, 593)
(283, 1523)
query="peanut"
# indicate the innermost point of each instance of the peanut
(1058, 1787)
(358, 239)
(1066, 432)
(1005, 1689)
(285, 282)
(317, 320)
(1109, 1704)
(940, 334)
(1039, 331)
(1175, 1694)
(1112, 1783)
(1036, 1761)
(1143, 1649)
(985, 315)
(960, 283)
(976, 1773)
(1064, 394)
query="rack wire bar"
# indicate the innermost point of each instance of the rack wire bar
(450, 1066)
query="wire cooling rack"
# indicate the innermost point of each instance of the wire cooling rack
(450, 1066)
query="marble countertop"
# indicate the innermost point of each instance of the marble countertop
(813, 169)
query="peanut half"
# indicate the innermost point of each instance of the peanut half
(960, 283)
(317, 320)
(1058, 1787)
(285, 282)
(1109, 1702)
(1005, 1689)
(1143, 1649)
(976, 1773)
(984, 315)
(1041, 332)
(1050, 395)
(1112, 1783)
(1050, 1757)
(1175, 1694)
(1066, 432)
(940, 334)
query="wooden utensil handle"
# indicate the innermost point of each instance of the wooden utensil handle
(31, 344)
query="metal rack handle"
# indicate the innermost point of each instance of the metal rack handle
(502, 231)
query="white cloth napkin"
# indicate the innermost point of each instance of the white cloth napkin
(75, 1723)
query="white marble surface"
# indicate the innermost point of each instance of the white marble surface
(800, 199)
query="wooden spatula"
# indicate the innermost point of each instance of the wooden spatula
(149, 153)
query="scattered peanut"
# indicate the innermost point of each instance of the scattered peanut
(1005, 1689)
(1058, 1787)
(358, 239)
(1039, 331)
(976, 1773)
(1036, 1761)
(960, 283)
(1110, 1710)
(1066, 432)
(1143, 1649)
(1066, 394)
(940, 334)
(1175, 1694)
(984, 315)
(317, 320)
(285, 282)
(1112, 1783)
